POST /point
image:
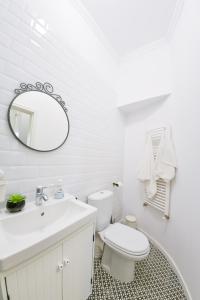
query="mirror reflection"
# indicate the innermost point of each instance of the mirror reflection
(38, 121)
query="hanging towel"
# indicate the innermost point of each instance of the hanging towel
(163, 167)
(147, 170)
(166, 164)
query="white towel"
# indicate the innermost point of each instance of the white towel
(147, 171)
(165, 164)
(163, 167)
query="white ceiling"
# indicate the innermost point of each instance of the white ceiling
(129, 24)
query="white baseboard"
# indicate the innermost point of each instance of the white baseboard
(172, 263)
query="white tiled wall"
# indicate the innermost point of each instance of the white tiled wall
(92, 156)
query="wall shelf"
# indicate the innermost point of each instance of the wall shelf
(142, 104)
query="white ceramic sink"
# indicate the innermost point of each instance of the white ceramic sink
(31, 231)
(38, 219)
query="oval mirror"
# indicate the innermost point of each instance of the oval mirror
(38, 118)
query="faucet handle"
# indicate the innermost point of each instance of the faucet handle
(40, 189)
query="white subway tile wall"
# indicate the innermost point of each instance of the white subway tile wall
(91, 158)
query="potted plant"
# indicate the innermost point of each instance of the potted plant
(15, 202)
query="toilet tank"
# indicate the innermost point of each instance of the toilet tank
(103, 201)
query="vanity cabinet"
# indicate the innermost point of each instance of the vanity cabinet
(63, 272)
(38, 279)
(78, 265)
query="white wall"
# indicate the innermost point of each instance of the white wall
(145, 73)
(179, 235)
(70, 23)
(37, 46)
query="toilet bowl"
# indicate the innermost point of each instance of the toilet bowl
(123, 246)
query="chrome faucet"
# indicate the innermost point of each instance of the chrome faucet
(40, 195)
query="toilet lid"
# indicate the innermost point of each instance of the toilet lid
(126, 239)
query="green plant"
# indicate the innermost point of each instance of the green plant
(16, 198)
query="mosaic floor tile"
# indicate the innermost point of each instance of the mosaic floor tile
(154, 280)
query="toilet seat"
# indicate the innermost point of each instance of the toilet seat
(126, 240)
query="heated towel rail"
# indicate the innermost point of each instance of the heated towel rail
(161, 200)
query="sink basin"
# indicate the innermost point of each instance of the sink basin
(31, 231)
(32, 221)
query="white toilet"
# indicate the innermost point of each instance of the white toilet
(123, 246)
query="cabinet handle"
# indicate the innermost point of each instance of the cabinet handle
(66, 261)
(60, 267)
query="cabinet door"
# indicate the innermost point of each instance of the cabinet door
(78, 259)
(38, 280)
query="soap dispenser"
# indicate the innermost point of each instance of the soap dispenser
(59, 193)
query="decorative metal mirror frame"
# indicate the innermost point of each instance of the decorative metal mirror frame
(45, 88)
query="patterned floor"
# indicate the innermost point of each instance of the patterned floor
(154, 280)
